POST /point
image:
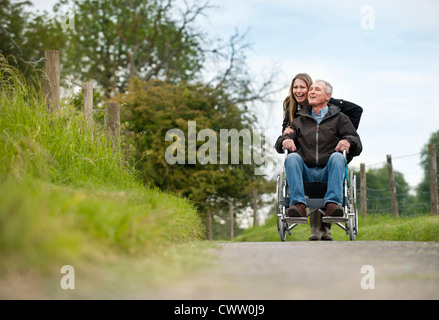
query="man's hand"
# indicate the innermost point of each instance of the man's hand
(288, 130)
(289, 144)
(342, 146)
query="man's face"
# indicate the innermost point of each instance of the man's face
(317, 95)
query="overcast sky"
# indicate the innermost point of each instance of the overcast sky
(382, 55)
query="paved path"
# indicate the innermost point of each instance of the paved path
(314, 270)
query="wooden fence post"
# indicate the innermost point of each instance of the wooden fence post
(232, 220)
(363, 187)
(209, 225)
(433, 178)
(112, 123)
(88, 102)
(52, 83)
(392, 187)
(255, 208)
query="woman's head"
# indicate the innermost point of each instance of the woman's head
(298, 94)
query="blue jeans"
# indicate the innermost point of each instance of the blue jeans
(297, 172)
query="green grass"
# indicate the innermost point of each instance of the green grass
(43, 225)
(387, 228)
(371, 228)
(68, 199)
(53, 147)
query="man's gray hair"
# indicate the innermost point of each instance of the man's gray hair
(329, 88)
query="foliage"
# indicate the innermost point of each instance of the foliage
(13, 18)
(154, 107)
(423, 190)
(26, 36)
(115, 41)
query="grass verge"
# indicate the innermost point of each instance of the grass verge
(371, 228)
(69, 199)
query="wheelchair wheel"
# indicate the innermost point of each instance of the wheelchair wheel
(281, 225)
(281, 229)
(351, 228)
(352, 222)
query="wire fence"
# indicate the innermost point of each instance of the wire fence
(19, 49)
(402, 197)
(19, 55)
(53, 75)
(69, 79)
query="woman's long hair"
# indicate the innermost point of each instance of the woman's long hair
(290, 102)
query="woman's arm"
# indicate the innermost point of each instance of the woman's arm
(350, 109)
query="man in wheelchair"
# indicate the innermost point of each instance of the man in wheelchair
(320, 135)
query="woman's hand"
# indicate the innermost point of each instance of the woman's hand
(288, 130)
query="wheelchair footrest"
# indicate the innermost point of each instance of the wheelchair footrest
(333, 219)
(296, 220)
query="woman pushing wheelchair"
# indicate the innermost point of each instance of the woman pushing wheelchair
(316, 137)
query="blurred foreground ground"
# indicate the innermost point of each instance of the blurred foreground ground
(314, 270)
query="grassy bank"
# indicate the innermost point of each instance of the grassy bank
(68, 199)
(371, 228)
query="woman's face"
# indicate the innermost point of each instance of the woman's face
(300, 91)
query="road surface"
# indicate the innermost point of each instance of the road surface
(313, 270)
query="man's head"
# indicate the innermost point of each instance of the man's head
(319, 94)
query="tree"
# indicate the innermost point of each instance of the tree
(116, 40)
(423, 189)
(235, 78)
(24, 36)
(152, 108)
(13, 20)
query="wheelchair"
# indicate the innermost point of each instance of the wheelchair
(315, 193)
